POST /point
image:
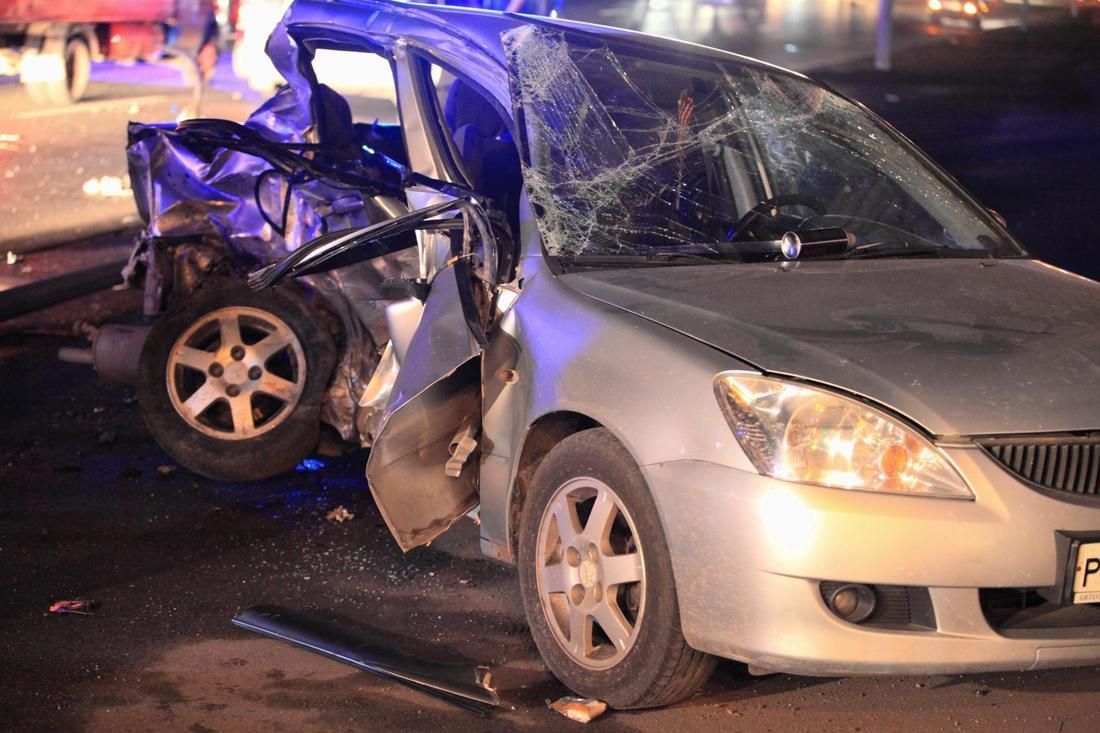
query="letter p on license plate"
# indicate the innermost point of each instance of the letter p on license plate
(1086, 574)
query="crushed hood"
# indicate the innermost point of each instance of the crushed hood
(962, 347)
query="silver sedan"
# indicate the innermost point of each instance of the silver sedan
(723, 363)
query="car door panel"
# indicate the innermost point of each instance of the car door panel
(436, 396)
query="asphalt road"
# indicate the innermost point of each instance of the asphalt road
(63, 169)
(1015, 117)
(87, 513)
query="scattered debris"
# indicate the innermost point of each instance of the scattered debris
(108, 187)
(981, 692)
(339, 515)
(13, 258)
(166, 470)
(465, 685)
(310, 465)
(77, 606)
(578, 709)
(107, 437)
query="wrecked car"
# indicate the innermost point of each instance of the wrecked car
(724, 364)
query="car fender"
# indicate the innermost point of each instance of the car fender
(650, 386)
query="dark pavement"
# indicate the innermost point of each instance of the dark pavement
(85, 512)
(63, 169)
(1015, 117)
(170, 559)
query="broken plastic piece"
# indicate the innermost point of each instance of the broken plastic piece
(464, 685)
(462, 445)
(374, 398)
(77, 606)
(580, 709)
(339, 515)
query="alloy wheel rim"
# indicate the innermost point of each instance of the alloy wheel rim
(590, 573)
(236, 373)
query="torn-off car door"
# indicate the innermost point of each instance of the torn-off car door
(422, 468)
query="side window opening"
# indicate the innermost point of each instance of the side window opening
(481, 142)
(356, 103)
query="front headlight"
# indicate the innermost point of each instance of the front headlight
(798, 433)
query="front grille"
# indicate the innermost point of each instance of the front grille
(1070, 464)
(1020, 609)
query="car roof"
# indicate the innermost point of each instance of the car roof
(478, 27)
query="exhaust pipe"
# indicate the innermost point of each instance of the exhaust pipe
(115, 351)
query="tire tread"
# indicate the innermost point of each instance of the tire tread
(681, 670)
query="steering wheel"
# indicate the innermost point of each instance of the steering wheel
(761, 210)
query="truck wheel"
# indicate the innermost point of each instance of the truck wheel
(77, 60)
(231, 385)
(596, 579)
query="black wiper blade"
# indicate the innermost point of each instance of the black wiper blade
(672, 255)
(638, 260)
(910, 250)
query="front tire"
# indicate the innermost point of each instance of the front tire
(231, 385)
(596, 579)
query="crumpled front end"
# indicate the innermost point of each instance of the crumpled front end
(219, 210)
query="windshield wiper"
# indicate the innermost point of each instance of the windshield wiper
(672, 255)
(639, 260)
(910, 249)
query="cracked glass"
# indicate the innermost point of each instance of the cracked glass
(637, 151)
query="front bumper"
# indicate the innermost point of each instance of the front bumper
(749, 553)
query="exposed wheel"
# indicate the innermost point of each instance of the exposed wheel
(596, 579)
(231, 385)
(77, 60)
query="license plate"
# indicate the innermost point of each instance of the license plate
(1086, 574)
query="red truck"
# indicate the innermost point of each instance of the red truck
(50, 44)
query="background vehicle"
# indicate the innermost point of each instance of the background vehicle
(989, 14)
(965, 12)
(51, 45)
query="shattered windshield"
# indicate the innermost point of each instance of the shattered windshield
(636, 152)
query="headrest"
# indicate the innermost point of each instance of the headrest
(334, 121)
(465, 106)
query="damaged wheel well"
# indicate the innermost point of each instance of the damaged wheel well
(543, 435)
